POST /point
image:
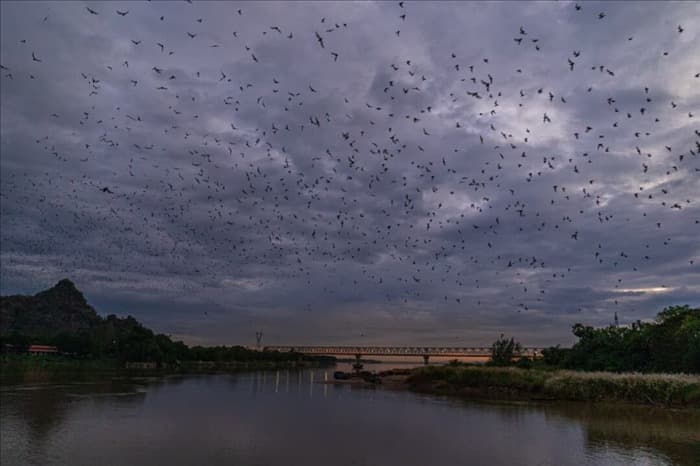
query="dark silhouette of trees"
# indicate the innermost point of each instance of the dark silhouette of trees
(669, 344)
(504, 350)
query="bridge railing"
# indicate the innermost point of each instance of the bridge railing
(398, 350)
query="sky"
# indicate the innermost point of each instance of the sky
(353, 173)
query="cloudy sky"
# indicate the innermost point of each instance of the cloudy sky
(354, 173)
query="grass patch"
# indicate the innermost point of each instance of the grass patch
(676, 390)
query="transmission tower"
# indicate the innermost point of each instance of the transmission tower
(258, 339)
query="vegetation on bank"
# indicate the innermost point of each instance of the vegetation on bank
(641, 363)
(61, 317)
(12, 363)
(670, 344)
(674, 390)
(18, 363)
(25, 368)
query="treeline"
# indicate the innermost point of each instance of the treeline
(669, 344)
(125, 339)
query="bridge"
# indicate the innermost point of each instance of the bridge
(422, 351)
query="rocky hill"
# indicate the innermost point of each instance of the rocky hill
(62, 317)
(62, 308)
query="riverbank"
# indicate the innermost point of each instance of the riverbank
(16, 369)
(662, 390)
(510, 383)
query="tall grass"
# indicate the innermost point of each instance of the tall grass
(653, 389)
(658, 389)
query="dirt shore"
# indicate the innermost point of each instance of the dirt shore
(391, 380)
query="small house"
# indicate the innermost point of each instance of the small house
(42, 349)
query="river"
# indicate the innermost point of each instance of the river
(287, 418)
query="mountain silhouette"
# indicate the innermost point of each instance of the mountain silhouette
(62, 308)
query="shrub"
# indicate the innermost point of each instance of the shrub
(504, 350)
(524, 363)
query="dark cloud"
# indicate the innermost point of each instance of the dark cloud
(397, 194)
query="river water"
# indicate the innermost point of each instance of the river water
(288, 418)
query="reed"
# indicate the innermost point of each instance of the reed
(656, 389)
(677, 390)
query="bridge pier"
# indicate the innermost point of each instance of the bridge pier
(426, 357)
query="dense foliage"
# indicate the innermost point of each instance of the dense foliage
(669, 344)
(504, 350)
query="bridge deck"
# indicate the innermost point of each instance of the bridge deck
(397, 350)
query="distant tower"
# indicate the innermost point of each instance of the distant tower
(617, 322)
(258, 339)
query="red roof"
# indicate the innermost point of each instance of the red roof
(42, 349)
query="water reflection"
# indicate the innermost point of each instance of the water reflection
(259, 418)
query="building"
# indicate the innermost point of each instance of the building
(42, 349)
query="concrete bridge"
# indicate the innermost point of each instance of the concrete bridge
(423, 351)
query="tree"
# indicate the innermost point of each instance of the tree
(669, 344)
(504, 350)
(555, 356)
(675, 342)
